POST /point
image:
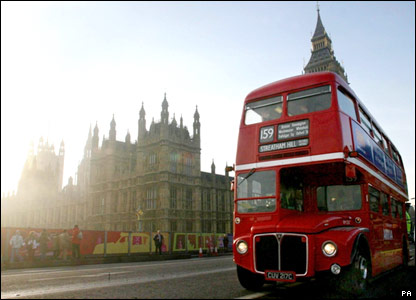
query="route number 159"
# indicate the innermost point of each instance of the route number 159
(267, 134)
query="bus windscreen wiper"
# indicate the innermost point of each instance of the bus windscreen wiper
(252, 171)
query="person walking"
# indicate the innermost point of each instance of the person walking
(65, 244)
(31, 244)
(43, 241)
(76, 242)
(158, 238)
(225, 242)
(55, 245)
(16, 242)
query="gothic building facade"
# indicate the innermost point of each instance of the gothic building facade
(159, 175)
(39, 199)
(322, 54)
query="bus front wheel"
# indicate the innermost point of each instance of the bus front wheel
(250, 281)
(357, 275)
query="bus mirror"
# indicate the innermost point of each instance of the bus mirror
(232, 186)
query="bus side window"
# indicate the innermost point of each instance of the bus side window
(385, 204)
(393, 208)
(374, 199)
(365, 121)
(377, 136)
(400, 209)
(385, 145)
(396, 156)
(346, 104)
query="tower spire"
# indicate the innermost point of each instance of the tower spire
(112, 132)
(197, 126)
(142, 123)
(323, 58)
(165, 114)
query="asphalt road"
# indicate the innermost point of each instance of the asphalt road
(397, 283)
(196, 278)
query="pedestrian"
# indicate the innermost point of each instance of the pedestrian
(158, 238)
(16, 242)
(64, 243)
(31, 245)
(409, 226)
(225, 242)
(43, 242)
(76, 242)
(55, 245)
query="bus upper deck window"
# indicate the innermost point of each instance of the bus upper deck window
(263, 110)
(346, 104)
(386, 145)
(377, 136)
(365, 121)
(307, 101)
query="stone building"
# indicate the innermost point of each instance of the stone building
(38, 190)
(159, 175)
(322, 56)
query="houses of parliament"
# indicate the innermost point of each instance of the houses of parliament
(157, 177)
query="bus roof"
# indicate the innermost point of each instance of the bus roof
(305, 80)
(296, 82)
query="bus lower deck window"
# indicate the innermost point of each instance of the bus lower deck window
(339, 197)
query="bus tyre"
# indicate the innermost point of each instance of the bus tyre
(356, 278)
(405, 254)
(250, 281)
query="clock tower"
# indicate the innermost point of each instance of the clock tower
(322, 57)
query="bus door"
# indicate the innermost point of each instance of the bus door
(376, 228)
(389, 232)
(397, 230)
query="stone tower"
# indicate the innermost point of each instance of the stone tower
(322, 57)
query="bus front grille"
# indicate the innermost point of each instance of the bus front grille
(281, 251)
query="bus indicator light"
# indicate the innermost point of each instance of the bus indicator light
(353, 154)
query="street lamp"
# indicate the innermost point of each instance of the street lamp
(139, 213)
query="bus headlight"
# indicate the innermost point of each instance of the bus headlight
(242, 247)
(329, 248)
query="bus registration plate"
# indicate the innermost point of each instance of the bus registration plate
(287, 276)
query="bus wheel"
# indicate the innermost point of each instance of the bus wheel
(250, 281)
(405, 254)
(357, 275)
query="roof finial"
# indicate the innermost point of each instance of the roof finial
(317, 6)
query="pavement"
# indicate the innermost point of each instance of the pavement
(100, 259)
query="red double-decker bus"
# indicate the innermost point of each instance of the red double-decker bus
(319, 187)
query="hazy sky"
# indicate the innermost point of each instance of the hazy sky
(67, 65)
